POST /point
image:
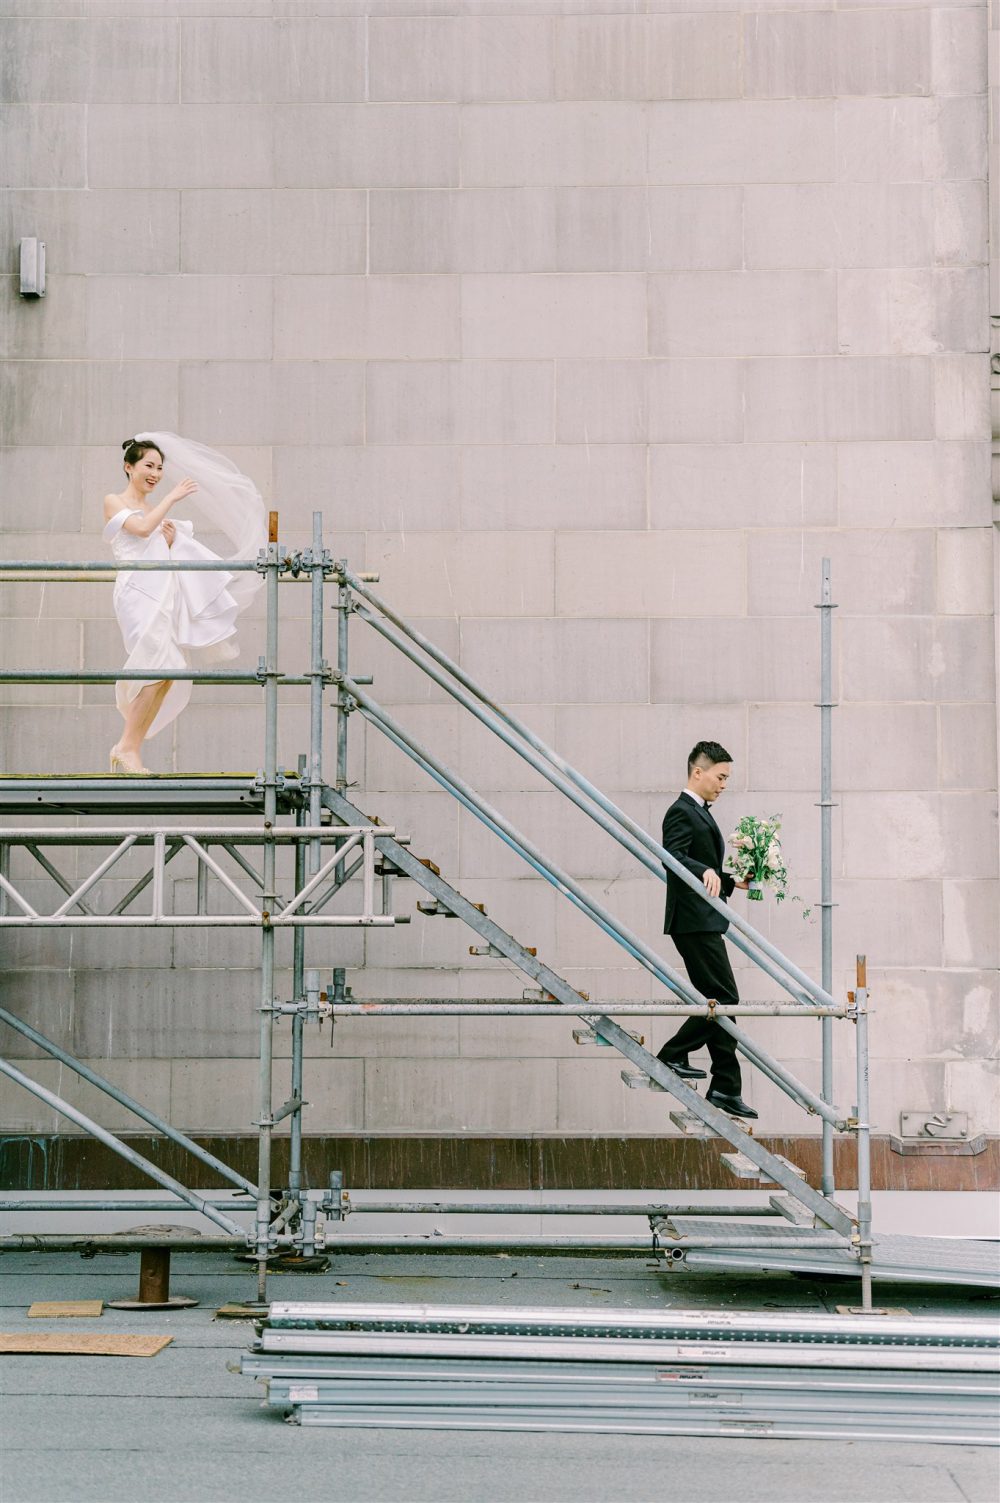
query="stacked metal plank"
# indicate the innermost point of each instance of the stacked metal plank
(678, 1372)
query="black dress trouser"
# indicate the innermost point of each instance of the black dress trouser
(707, 964)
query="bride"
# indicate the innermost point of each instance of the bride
(184, 619)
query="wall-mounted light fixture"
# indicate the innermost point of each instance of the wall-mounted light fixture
(32, 267)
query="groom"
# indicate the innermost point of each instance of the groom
(692, 836)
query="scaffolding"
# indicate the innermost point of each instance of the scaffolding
(327, 846)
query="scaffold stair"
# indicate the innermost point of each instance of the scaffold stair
(771, 1168)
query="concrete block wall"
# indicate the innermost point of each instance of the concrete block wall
(592, 325)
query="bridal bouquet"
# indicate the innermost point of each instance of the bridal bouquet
(756, 857)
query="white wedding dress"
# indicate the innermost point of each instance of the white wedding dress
(181, 620)
(169, 620)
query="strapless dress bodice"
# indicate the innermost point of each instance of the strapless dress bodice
(127, 545)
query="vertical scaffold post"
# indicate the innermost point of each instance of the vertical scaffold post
(298, 1022)
(316, 672)
(343, 616)
(307, 860)
(826, 706)
(863, 1134)
(268, 900)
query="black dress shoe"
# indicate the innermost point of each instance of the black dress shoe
(686, 1072)
(735, 1106)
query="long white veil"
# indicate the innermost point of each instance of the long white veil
(228, 499)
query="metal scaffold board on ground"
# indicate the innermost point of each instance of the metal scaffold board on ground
(289, 1319)
(678, 1372)
(743, 1424)
(895, 1258)
(587, 1377)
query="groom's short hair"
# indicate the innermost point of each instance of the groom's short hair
(706, 754)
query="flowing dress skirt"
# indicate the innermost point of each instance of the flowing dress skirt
(170, 621)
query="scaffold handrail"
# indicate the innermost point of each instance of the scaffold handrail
(29, 566)
(293, 567)
(561, 773)
(149, 675)
(580, 898)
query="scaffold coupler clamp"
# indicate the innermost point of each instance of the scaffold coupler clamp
(336, 1202)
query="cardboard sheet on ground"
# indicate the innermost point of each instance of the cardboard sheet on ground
(49, 1343)
(62, 1309)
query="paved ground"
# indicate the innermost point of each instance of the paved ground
(182, 1428)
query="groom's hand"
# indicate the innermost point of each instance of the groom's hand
(712, 881)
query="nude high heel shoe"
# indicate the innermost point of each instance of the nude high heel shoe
(125, 766)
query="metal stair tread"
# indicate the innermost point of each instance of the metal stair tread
(692, 1126)
(745, 1168)
(793, 1210)
(636, 1081)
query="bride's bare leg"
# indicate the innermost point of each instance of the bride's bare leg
(142, 711)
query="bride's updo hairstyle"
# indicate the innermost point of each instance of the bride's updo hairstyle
(135, 448)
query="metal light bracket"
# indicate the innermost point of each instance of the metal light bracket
(32, 267)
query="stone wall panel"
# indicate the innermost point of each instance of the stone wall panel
(358, 318)
(140, 145)
(850, 224)
(695, 56)
(517, 317)
(790, 141)
(548, 144)
(50, 60)
(449, 402)
(266, 232)
(506, 229)
(302, 60)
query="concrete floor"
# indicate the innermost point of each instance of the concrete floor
(181, 1428)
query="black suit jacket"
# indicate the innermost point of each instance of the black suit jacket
(691, 835)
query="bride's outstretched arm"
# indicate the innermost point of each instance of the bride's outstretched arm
(144, 526)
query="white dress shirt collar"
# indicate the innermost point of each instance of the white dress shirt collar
(696, 796)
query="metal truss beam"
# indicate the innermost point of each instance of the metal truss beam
(163, 844)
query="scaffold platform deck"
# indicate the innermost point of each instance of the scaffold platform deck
(161, 793)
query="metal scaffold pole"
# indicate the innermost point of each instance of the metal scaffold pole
(864, 1134)
(307, 863)
(343, 617)
(826, 707)
(268, 903)
(298, 1025)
